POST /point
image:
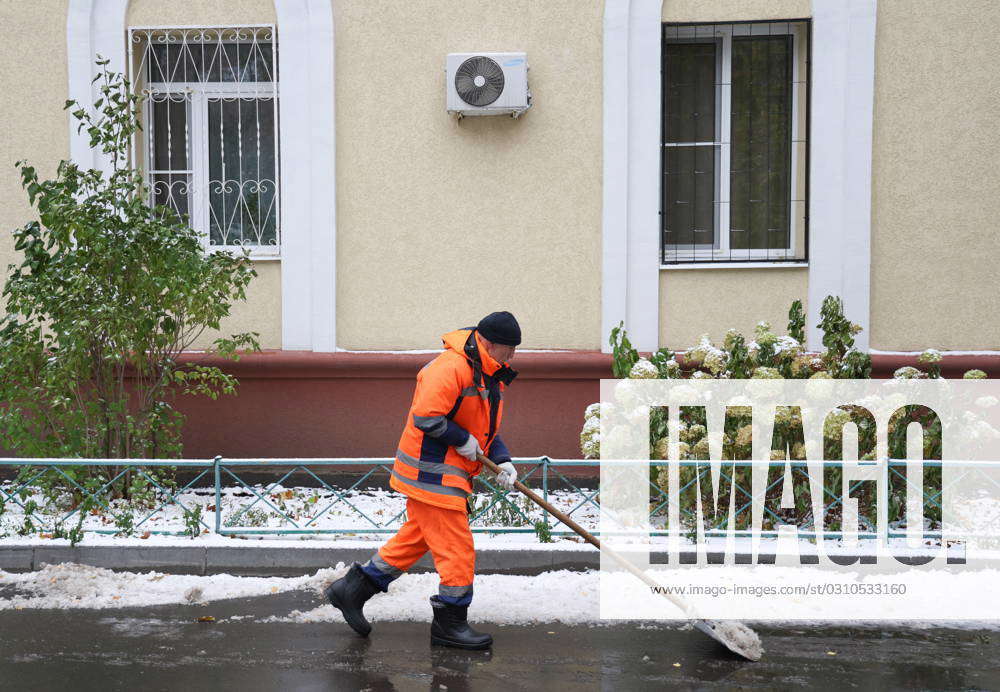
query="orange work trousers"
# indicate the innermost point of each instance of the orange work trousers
(446, 533)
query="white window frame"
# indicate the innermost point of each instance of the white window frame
(719, 253)
(197, 117)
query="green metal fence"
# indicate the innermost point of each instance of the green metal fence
(224, 475)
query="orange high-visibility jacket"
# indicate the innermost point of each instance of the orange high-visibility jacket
(459, 393)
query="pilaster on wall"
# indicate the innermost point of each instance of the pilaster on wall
(840, 170)
(94, 28)
(308, 186)
(630, 268)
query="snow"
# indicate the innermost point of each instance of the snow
(572, 598)
(305, 509)
(69, 585)
(875, 351)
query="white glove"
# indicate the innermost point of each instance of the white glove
(470, 448)
(507, 475)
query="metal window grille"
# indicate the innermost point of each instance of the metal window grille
(209, 144)
(734, 142)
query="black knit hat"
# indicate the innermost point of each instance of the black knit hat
(500, 328)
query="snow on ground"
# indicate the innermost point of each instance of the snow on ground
(572, 598)
(354, 513)
(69, 585)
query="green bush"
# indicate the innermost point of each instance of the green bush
(110, 291)
(768, 355)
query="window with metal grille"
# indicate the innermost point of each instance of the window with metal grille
(209, 144)
(734, 142)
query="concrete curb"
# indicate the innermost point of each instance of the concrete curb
(286, 562)
(292, 562)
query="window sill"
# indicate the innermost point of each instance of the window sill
(733, 265)
(254, 256)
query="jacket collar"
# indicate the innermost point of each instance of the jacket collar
(472, 348)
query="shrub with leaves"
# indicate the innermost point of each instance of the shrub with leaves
(192, 521)
(110, 291)
(771, 356)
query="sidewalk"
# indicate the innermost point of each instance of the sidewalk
(257, 560)
(283, 558)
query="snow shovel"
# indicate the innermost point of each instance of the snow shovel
(735, 636)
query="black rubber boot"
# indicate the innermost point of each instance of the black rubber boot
(451, 627)
(349, 594)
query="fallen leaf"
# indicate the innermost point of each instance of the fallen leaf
(274, 589)
(115, 598)
(45, 535)
(206, 618)
(145, 535)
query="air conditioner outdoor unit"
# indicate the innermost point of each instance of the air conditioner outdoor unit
(487, 84)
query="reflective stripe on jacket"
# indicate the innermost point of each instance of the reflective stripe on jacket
(458, 393)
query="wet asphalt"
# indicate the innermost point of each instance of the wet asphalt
(166, 648)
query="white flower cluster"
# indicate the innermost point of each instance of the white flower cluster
(931, 355)
(644, 370)
(908, 372)
(590, 436)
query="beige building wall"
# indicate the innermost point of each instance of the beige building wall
(698, 301)
(35, 127)
(200, 12)
(261, 311)
(734, 10)
(441, 221)
(936, 191)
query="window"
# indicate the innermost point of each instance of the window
(209, 144)
(734, 151)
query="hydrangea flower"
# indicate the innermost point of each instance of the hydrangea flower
(744, 436)
(931, 355)
(693, 433)
(590, 445)
(661, 448)
(908, 372)
(715, 360)
(705, 351)
(763, 334)
(673, 368)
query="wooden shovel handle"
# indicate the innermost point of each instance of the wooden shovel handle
(536, 498)
(585, 535)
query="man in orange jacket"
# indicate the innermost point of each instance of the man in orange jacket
(455, 415)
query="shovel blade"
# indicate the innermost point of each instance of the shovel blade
(735, 636)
